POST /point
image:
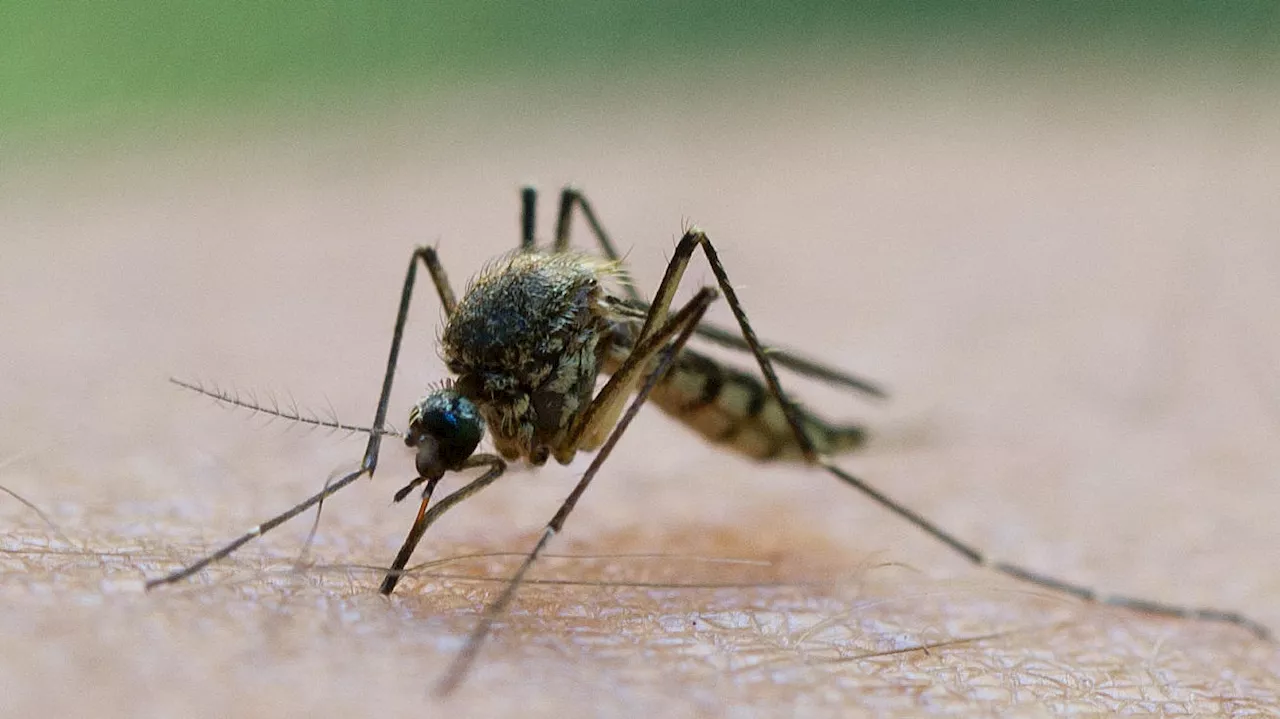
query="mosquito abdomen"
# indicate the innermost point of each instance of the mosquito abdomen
(735, 409)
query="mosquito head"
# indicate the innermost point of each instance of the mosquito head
(445, 427)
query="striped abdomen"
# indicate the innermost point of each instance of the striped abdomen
(735, 409)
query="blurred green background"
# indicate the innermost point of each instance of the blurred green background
(76, 68)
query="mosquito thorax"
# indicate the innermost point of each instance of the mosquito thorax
(524, 344)
(445, 427)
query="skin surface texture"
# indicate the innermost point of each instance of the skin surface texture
(1070, 293)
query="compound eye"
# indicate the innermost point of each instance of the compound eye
(446, 428)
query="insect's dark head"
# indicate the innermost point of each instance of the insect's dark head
(445, 427)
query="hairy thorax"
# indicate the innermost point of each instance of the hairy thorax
(527, 342)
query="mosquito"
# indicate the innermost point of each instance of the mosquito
(527, 344)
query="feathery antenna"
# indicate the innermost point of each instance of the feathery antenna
(293, 413)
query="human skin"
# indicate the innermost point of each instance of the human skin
(1070, 304)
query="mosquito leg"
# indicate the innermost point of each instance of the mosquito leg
(445, 292)
(603, 412)
(571, 196)
(797, 363)
(426, 518)
(300, 563)
(528, 215)
(695, 237)
(256, 532)
(793, 361)
(370, 461)
(681, 324)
